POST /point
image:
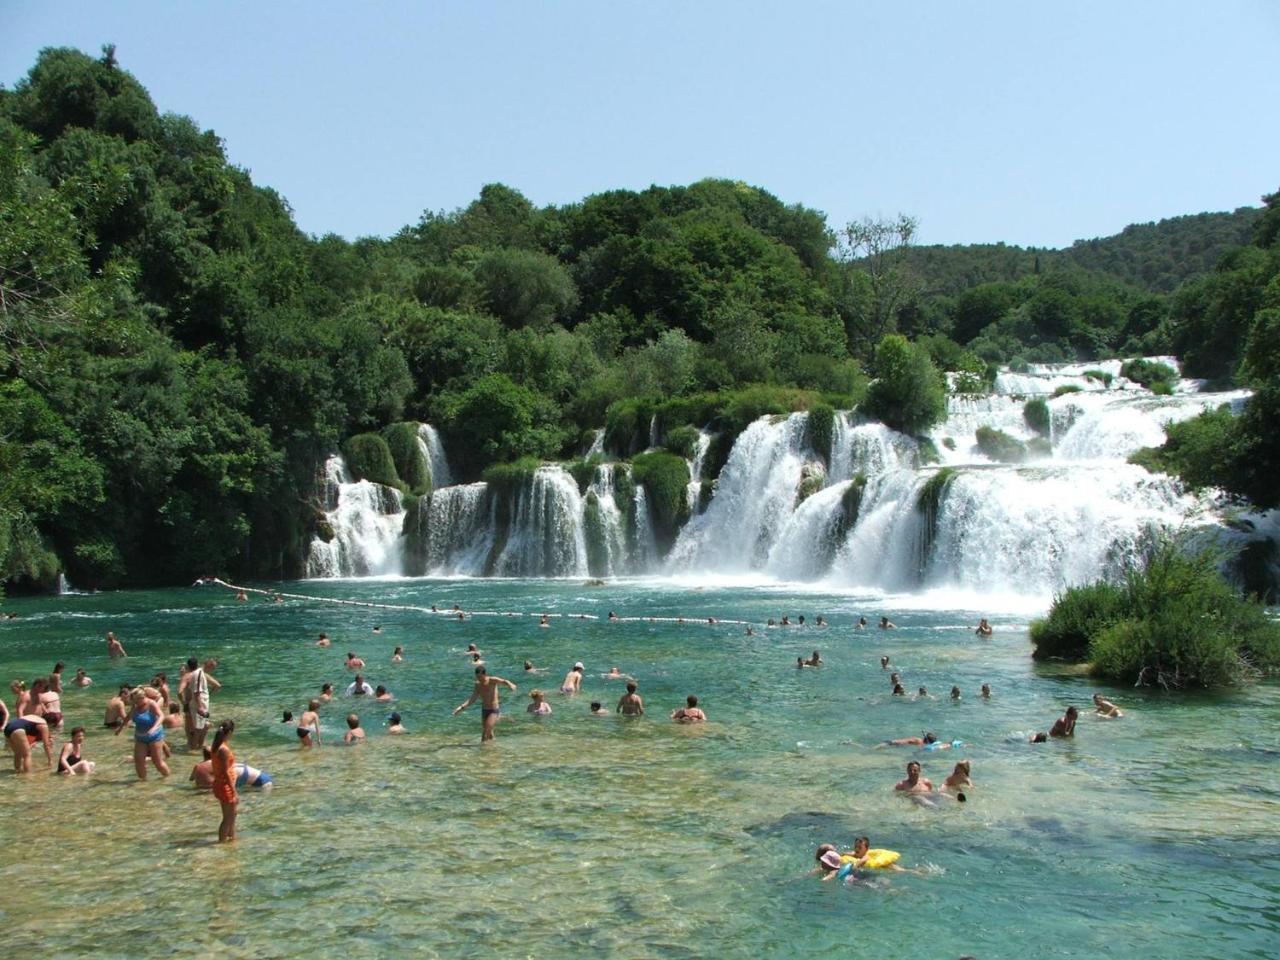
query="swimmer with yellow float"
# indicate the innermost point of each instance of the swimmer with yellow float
(834, 865)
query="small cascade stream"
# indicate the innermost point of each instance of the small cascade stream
(871, 513)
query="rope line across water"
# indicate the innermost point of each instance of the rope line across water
(453, 613)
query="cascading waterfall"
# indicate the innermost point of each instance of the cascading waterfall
(866, 514)
(366, 520)
(693, 493)
(433, 450)
(545, 536)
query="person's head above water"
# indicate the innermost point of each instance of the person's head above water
(930, 738)
(691, 700)
(394, 720)
(631, 686)
(353, 720)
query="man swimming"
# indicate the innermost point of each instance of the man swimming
(486, 691)
(914, 783)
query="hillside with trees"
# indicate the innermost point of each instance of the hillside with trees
(178, 358)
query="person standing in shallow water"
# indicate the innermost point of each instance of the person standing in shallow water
(486, 691)
(224, 781)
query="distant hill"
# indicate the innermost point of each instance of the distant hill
(1151, 256)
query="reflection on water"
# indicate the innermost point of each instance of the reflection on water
(1155, 835)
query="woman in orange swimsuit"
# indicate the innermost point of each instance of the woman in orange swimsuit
(224, 781)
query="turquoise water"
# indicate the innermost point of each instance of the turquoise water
(1155, 835)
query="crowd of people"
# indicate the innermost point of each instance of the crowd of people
(152, 710)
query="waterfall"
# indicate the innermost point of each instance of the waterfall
(433, 450)
(455, 531)
(597, 446)
(365, 519)
(693, 493)
(545, 536)
(609, 536)
(644, 545)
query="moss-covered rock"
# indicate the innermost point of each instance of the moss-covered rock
(1039, 447)
(626, 425)
(850, 506)
(584, 471)
(509, 478)
(666, 480)
(1065, 389)
(998, 445)
(1156, 377)
(820, 430)
(1035, 413)
(624, 489)
(928, 502)
(369, 458)
(594, 534)
(927, 451)
(813, 477)
(1100, 376)
(682, 441)
(406, 453)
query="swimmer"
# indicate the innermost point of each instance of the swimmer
(884, 663)
(1040, 737)
(23, 731)
(958, 777)
(486, 691)
(545, 621)
(821, 621)
(786, 621)
(887, 624)
(829, 862)
(287, 717)
(983, 628)
(1105, 708)
(471, 651)
(309, 726)
(394, 726)
(572, 680)
(895, 677)
(202, 772)
(71, 759)
(801, 621)
(863, 855)
(799, 663)
(986, 691)
(358, 688)
(862, 623)
(117, 710)
(46, 702)
(82, 679)
(689, 713)
(115, 649)
(247, 776)
(750, 632)
(630, 704)
(539, 706)
(924, 741)
(530, 668)
(323, 640)
(711, 620)
(598, 710)
(355, 732)
(771, 623)
(616, 674)
(914, 783)
(955, 693)
(613, 617)
(377, 629)
(898, 691)
(397, 655)
(923, 694)
(354, 662)
(55, 678)
(148, 734)
(476, 661)
(382, 694)
(241, 597)
(815, 660)
(326, 693)
(1065, 725)
(173, 719)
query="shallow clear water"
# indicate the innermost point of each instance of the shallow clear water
(1155, 835)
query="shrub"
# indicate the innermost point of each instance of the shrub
(998, 445)
(1075, 616)
(510, 477)
(1035, 412)
(820, 430)
(1148, 373)
(1063, 390)
(908, 393)
(369, 458)
(584, 471)
(1101, 376)
(666, 480)
(406, 454)
(1204, 451)
(682, 441)
(1173, 622)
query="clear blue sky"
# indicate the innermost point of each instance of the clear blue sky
(1028, 122)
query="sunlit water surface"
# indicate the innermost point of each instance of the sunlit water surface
(1157, 835)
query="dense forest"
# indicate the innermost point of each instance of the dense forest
(179, 358)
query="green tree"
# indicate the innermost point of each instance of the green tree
(908, 393)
